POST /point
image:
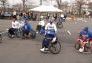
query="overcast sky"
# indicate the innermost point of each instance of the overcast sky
(33, 1)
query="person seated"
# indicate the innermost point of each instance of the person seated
(26, 29)
(50, 26)
(15, 26)
(83, 38)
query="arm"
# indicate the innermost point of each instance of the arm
(13, 26)
(46, 27)
(55, 28)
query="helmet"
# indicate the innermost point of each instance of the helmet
(85, 29)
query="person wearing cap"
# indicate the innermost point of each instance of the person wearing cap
(84, 36)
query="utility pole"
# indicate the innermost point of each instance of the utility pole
(40, 2)
(24, 5)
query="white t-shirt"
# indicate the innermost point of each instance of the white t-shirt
(42, 23)
(21, 23)
(51, 27)
(62, 15)
(14, 13)
(15, 25)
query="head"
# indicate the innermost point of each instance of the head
(41, 18)
(85, 29)
(26, 22)
(14, 19)
(51, 21)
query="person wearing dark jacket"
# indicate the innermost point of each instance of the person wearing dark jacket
(27, 28)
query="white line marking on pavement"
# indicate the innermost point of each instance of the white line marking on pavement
(69, 32)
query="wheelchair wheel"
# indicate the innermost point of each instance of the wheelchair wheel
(77, 46)
(87, 47)
(55, 48)
(59, 25)
(33, 35)
(0, 38)
(10, 36)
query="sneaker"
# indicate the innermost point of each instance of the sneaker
(81, 49)
(12, 36)
(46, 49)
(43, 49)
(37, 32)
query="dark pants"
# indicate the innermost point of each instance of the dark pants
(45, 43)
(12, 31)
(38, 28)
(25, 32)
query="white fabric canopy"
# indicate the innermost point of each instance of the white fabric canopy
(44, 8)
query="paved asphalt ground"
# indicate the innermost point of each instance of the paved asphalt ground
(28, 51)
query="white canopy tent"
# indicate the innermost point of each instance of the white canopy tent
(44, 8)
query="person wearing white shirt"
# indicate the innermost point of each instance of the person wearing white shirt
(15, 26)
(42, 23)
(50, 26)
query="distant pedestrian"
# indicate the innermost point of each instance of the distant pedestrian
(14, 14)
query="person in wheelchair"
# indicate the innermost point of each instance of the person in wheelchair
(15, 26)
(51, 31)
(26, 29)
(84, 37)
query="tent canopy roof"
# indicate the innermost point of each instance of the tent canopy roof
(44, 8)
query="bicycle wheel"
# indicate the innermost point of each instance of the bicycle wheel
(55, 48)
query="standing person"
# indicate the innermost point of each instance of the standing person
(62, 17)
(2, 14)
(14, 14)
(25, 16)
(41, 25)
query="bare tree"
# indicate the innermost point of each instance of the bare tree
(79, 4)
(24, 4)
(90, 5)
(3, 4)
(59, 3)
(40, 2)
